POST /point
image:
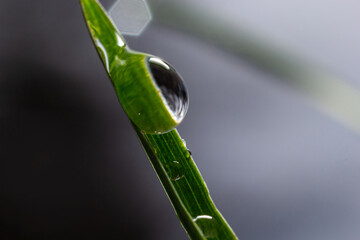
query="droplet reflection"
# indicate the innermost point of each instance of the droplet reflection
(171, 86)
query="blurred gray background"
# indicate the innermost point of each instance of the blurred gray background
(277, 167)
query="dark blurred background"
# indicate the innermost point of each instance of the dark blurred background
(277, 167)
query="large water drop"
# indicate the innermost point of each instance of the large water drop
(171, 86)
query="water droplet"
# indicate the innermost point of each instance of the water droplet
(187, 154)
(151, 92)
(174, 170)
(103, 53)
(171, 86)
(207, 225)
(183, 140)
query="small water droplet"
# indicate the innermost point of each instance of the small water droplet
(207, 225)
(103, 53)
(174, 170)
(187, 154)
(183, 140)
(171, 86)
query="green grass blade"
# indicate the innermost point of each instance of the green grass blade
(184, 186)
(128, 71)
(171, 160)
